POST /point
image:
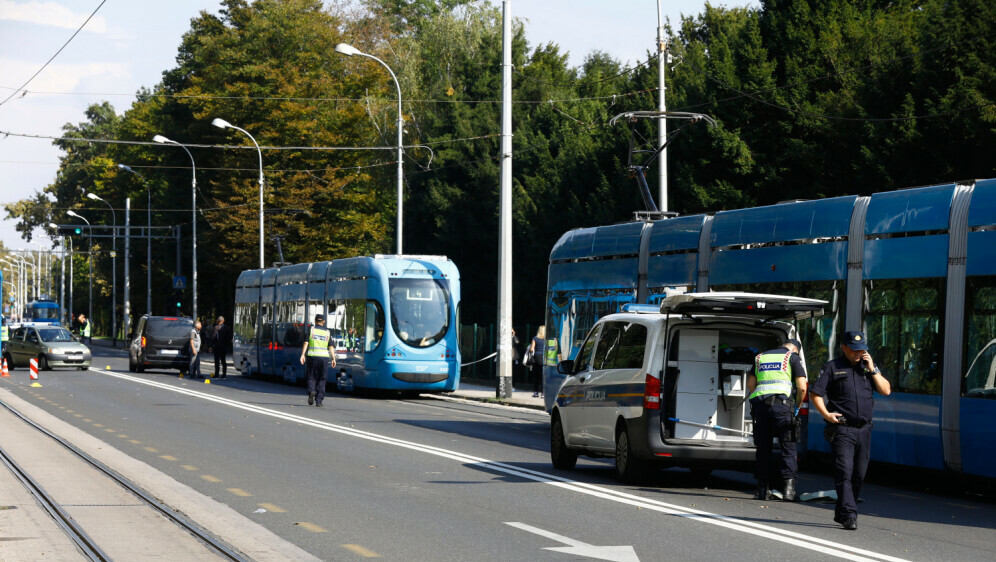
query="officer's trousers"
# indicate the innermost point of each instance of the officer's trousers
(770, 421)
(220, 361)
(851, 448)
(318, 372)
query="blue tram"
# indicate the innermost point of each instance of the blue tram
(915, 269)
(41, 311)
(394, 321)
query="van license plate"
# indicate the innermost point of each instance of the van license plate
(168, 352)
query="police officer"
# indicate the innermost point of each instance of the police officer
(3, 334)
(317, 349)
(773, 412)
(84, 329)
(843, 396)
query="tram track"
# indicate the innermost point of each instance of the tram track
(75, 527)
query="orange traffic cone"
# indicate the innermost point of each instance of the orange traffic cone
(4, 372)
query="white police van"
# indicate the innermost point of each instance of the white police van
(667, 385)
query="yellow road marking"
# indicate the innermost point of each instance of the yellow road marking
(151, 449)
(69, 411)
(135, 441)
(98, 425)
(87, 420)
(210, 478)
(168, 457)
(271, 507)
(122, 436)
(357, 549)
(188, 467)
(311, 527)
(962, 505)
(240, 492)
(78, 415)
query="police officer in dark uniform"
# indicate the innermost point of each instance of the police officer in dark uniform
(773, 412)
(317, 353)
(843, 396)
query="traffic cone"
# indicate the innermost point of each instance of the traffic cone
(34, 372)
(4, 372)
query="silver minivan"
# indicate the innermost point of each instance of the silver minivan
(667, 385)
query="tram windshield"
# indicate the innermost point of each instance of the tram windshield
(420, 310)
(44, 312)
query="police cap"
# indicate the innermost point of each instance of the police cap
(855, 339)
(319, 318)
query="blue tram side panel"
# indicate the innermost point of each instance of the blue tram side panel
(393, 321)
(914, 268)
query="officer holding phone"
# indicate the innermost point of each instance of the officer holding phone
(843, 396)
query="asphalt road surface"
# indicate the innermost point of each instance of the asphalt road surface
(436, 480)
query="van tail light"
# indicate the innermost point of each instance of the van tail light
(804, 407)
(652, 393)
(143, 341)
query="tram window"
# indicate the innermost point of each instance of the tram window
(980, 338)
(903, 322)
(373, 330)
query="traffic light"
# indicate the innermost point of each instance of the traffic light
(178, 300)
(70, 230)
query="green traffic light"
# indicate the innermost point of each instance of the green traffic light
(78, 230)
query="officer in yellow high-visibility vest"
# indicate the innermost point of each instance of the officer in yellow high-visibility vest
(318, 355)
(773, 412)
(84, 328)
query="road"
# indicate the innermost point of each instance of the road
(428, 479)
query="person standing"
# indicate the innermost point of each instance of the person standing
(317, 350)
(194, 369)
(537, 349)
(84, 329)
(220, 339)
(773, 413)
(843, 396)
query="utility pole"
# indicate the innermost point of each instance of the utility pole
(504, 389)
(662, 57)
(127, 261)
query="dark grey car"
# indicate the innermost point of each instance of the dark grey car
(160, 342)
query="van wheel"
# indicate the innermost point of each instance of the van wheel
(562, 457)
(629, 469)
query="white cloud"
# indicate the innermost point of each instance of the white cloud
(64, 77)
(49, 13)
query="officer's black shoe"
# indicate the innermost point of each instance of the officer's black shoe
(788, 493)
(319, 405)
(762, 492)
(311, 398)
(850, 524)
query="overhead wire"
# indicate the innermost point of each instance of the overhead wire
(71, 37)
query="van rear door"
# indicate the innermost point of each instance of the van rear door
(743, 304)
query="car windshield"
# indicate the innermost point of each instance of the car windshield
(169, 327)
(420, 310)
(55, 335)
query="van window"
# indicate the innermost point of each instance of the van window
(584, 356)
(621, 346)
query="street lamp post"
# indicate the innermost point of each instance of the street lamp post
(193, 202)
(114, 270)
(222, 124)
(89, 258)
(148, 238)
(349, 50)
(62, 275)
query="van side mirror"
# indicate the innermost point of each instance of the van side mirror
(566, 367)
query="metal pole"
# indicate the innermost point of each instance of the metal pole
(127, 261)
(62, 280)
(662, 122)
(148, 256)
(114, 270)
(72, 311)
(193, 218)
(504, 389)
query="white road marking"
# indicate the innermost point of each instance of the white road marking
(578, 548)
(823, 546)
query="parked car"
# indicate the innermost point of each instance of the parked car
(160, 342)
(667, 386)
(52, 346)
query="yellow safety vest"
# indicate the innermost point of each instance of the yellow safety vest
(318, 342)
(774, 375)
(86, 329)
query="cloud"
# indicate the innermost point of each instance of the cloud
(66, 77)
(49, 13)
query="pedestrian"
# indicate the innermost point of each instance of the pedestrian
(84, 329)
(220, 340)
(843, 396)
(318, 351)
(773, 412)
(537, 349)
(194, 369)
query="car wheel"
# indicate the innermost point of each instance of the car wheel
(629, 469)
(139, 367)
(84, 368)
(562, 457)
(43, 363)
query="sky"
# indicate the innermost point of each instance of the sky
(127, 45)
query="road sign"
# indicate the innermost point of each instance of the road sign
(114, 254)
(180, 282)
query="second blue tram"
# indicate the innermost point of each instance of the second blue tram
(915, 269)
(394, 321)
